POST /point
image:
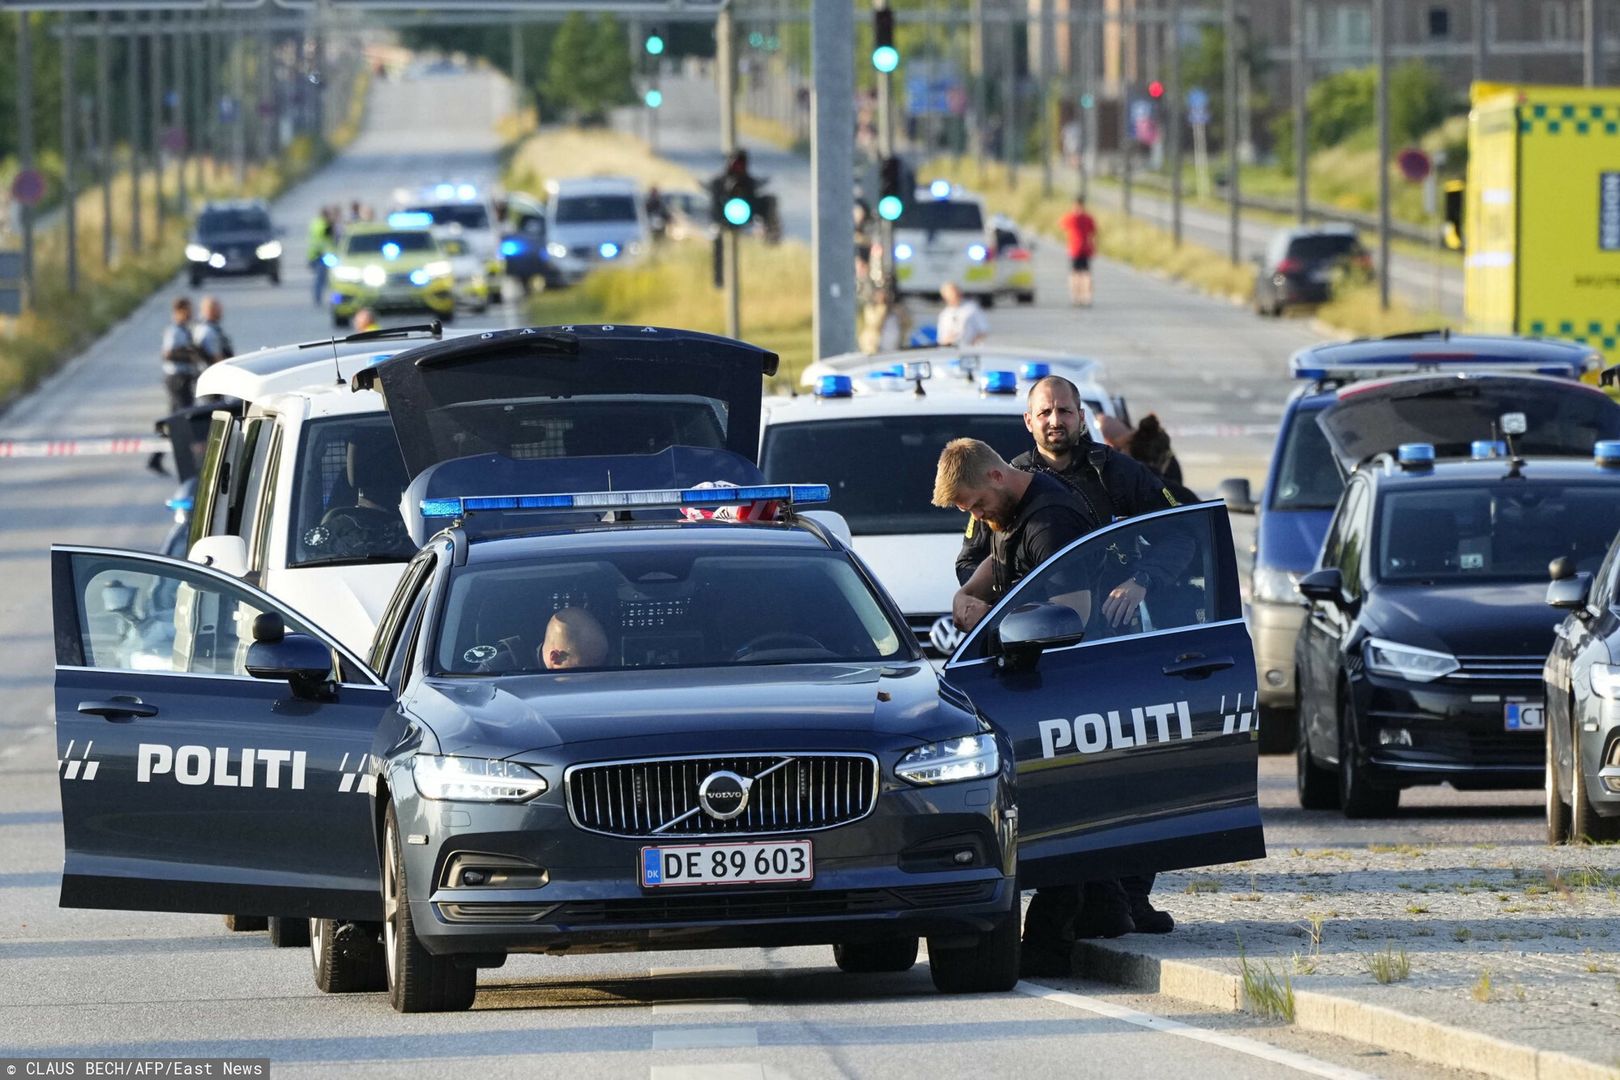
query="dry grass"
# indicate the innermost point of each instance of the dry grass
(566, 153)
(763, 129)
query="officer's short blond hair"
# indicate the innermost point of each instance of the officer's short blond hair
(964, 463)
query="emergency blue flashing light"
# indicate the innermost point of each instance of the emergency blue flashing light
(1415, 455)
(410, 219)
(329, 259)
(835, 386)
(668, 498)
(737, 211)
(940, 189)
(390, 250)
(185, 502)
(466, 191)
(510, 248)
(902, 252)
(608, 250)
(1035, 369)
(1315, 374)
(885, 58)
(998, 382)
(1485, 449)
(444, 191)
(1606, 453)
(890, 207)
(977, 252)
(419, 277)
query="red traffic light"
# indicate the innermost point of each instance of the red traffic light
(1155, 89)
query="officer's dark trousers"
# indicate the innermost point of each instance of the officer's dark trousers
(1049, 922)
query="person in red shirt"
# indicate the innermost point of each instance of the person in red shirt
(1081, 229)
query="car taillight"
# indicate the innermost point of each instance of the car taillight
(1016, 255)
(1290, 266)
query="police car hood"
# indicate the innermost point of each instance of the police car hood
(1465, 619)
(1563, 418)
(592, 715)
(571, 391)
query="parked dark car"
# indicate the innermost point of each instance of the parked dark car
(523, 244)
(1301, 265)
(235, 238)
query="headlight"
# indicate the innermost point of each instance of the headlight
(437, 269)
(1273, 586)
(374, 276)
(1606, 681)
(902, 252)
(977, 252)
(197, 253)
(635, 248)
(557, 250)
(475, 779)
(967, 758)
(346, 273)
(270, 249)
(1406, 661)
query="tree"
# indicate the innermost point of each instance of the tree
(589, 69)
(1418, 101)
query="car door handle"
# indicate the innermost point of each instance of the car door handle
(118, 708)
(1194, 666)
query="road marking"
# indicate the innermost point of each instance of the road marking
(704, 1038)
(1236, 1043)
(713, 1072)
(665, 1008)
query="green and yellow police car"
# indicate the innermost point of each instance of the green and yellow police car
(387, 268)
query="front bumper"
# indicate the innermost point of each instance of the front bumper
(1454, 732)
(891, 873)
(1597, 752)
(1275, 628)
(347, 297)
(252, 266)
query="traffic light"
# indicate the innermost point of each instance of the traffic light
(885, 57)
(896, 188)
(655, 44)
(654, 98)
(1155, 89)
(734, 193)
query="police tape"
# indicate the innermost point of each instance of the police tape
(51, 448)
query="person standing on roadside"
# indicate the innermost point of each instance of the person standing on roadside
(182, 361)
(1081, 229)
(209, 336)
(961, 320)
(322, 242)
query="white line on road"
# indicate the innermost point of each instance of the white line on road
(1236, 1043)
(712, 1072)
(705, 1038)
(664, 1008)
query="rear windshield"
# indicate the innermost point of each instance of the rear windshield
(346, 495)
(374, 243)
(467, 215)
(881, 469)
(942, 217)
(1494, 533)
(1308, 477)
(1321, 247)
(581, 209)
(229, 221)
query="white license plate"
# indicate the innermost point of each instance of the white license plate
(1321, 277)
(726, 864)
(1524, 716)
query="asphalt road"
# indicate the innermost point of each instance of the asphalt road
(80, 983)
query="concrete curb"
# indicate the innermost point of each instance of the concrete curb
(1327, 1014)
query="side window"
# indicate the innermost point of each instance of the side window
(406, 601)
(404, 653)
(208, 519)
(255, 444)
(264, 446)
(151, 618)
(1353, 532)
(1606, 585)
(1333, 546)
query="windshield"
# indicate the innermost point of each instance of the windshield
(1497, 532)
(942, 216)
(232, 221)
(677, 605)
(1307, 476)
(1327, 246)
(467, 215)
(373, 243)
(580, 209)
(881, 469)
(346, 494)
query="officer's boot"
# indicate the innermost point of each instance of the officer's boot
(1105, 911)
(1148, 919)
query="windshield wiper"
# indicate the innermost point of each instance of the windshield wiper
(355, 560)
(382, 333)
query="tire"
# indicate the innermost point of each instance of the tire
(346, 958)
(1585, 826)
(418, 981)
(246, 924)
(868, 957)
(989, 966)
(987, 301)
(1360, 794)
(1278, 730)
(288, 933)
(1026, 298)
(1318, 787)
(1558, 815)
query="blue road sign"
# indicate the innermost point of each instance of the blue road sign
(1197, 106)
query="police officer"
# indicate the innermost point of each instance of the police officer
(181, 361)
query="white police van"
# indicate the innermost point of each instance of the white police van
(470, 210)
(873, 428)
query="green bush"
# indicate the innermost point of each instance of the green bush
(1417, 101)
(1339, 105)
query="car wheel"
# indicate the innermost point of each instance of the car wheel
(1318, 787)
(1360, 794)
(987, 301)
(867, 957)
(1558, 816)
(246, 924)
(988, 966)
(346, 958)
(288, 933)
(1585, 826)
(418, 981)
(1278, 730)
(1026, 298)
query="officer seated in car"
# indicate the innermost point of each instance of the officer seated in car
(574, 639)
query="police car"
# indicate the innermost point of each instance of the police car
(593, 222)
(389, 268)
(471, 211)
(1304, 480)
(740, 746)
(1421, 658)
(942, 236)
(873, 427)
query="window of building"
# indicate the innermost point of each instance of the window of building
(1439, 22)
(1555, 22)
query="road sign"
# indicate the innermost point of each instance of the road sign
(1414, 164)
(1197, 106)
(1141, 109)
(28, 187)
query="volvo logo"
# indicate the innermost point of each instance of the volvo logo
(723, 795)
(944, 634)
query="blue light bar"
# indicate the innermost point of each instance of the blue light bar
(1484, 449)
(608, 249)
(510, 247)
(1415, 455)
(444, 191)
(1316, 369)
(668, 498)
(410, 219)
(998, 382)
(835, 386)
(390, 251)
(1607, 453)
(1035, 370)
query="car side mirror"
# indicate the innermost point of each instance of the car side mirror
(1569, 593)
(1325, 586)
(1237, 495)
(1028, 630)
(227, 554)
(1561, 568)
(304, 662)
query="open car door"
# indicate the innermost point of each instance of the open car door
(187, 784)
(1137, 745)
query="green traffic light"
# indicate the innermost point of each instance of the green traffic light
(889, 208)
(655, 45)
(737, 211)
(1087, 101)
(885, 58)
(654, 98)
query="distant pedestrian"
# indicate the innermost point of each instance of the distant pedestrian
(322, 242)
(961, 320)
(1081, 229)
(181, 361)
(209, 336)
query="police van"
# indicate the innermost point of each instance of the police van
(873, 428)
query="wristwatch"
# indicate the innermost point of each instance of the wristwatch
(1143, 578)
